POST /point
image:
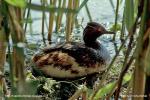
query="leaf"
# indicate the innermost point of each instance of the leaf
(17, 3)
(126, 78)
(118, 27)
(31, 86)
(107, 88)
(129, 14)
(29, 20)
(147, 57)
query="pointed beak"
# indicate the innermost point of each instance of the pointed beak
(109, 32)
(104, 31)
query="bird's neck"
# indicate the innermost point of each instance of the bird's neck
(93, 44)
(90, 38)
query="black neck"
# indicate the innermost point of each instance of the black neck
(93, 44)
(90, 38)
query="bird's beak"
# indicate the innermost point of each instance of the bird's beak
(105, 31)
(109, 32)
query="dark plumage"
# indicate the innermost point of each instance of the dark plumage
(72, 59)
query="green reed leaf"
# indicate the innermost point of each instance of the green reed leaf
(17, 3)
(129, 14)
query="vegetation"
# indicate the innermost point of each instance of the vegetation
(134, 33)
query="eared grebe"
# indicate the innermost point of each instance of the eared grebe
(73, 59)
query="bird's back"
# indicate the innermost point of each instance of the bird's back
(74, 59)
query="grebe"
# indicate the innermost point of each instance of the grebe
(73, 59)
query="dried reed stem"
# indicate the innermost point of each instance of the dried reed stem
(69, 21)
(88, 13)
(18, 52)
(51, 20)
(60, 14)
(43, 20)
(116, 19)
(28, 14)
(141, 48)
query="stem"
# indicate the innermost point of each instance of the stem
(116, 19)
(18, 52)
(69, 22)
(76, 95)
(43, 17)
(4, 42)
(125, 65)
(128, 89)
(28, 13)
(139, 74)
(88, 13)
(59, 15)
(123, 28)
(82, 5)
(104, 76)
(51, 20)
(121, 77)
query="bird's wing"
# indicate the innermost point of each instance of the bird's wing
(83, 55)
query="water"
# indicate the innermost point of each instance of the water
(101, 12)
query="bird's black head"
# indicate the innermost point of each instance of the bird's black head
(92, 31)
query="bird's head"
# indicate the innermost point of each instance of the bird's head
(93, 30)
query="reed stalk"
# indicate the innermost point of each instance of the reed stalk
(116, 19)
(125, 64)
(59, 15)
(46, 23)
(82, 5)
(51, 20)
(28, 15)
(139, 73)
(43, 20)
(88, 13)
(78, 93)
(3, 46)
(127, 93)
(120, 80)
(30, 25)
(112, 5)
(3, 86)
(69, 21)
(74, 15)
(19, 15)
(124, 70)
(18, 51)
(122, 34)
(104, 76)
(52, 9)
(4, 35)
(147, 64)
